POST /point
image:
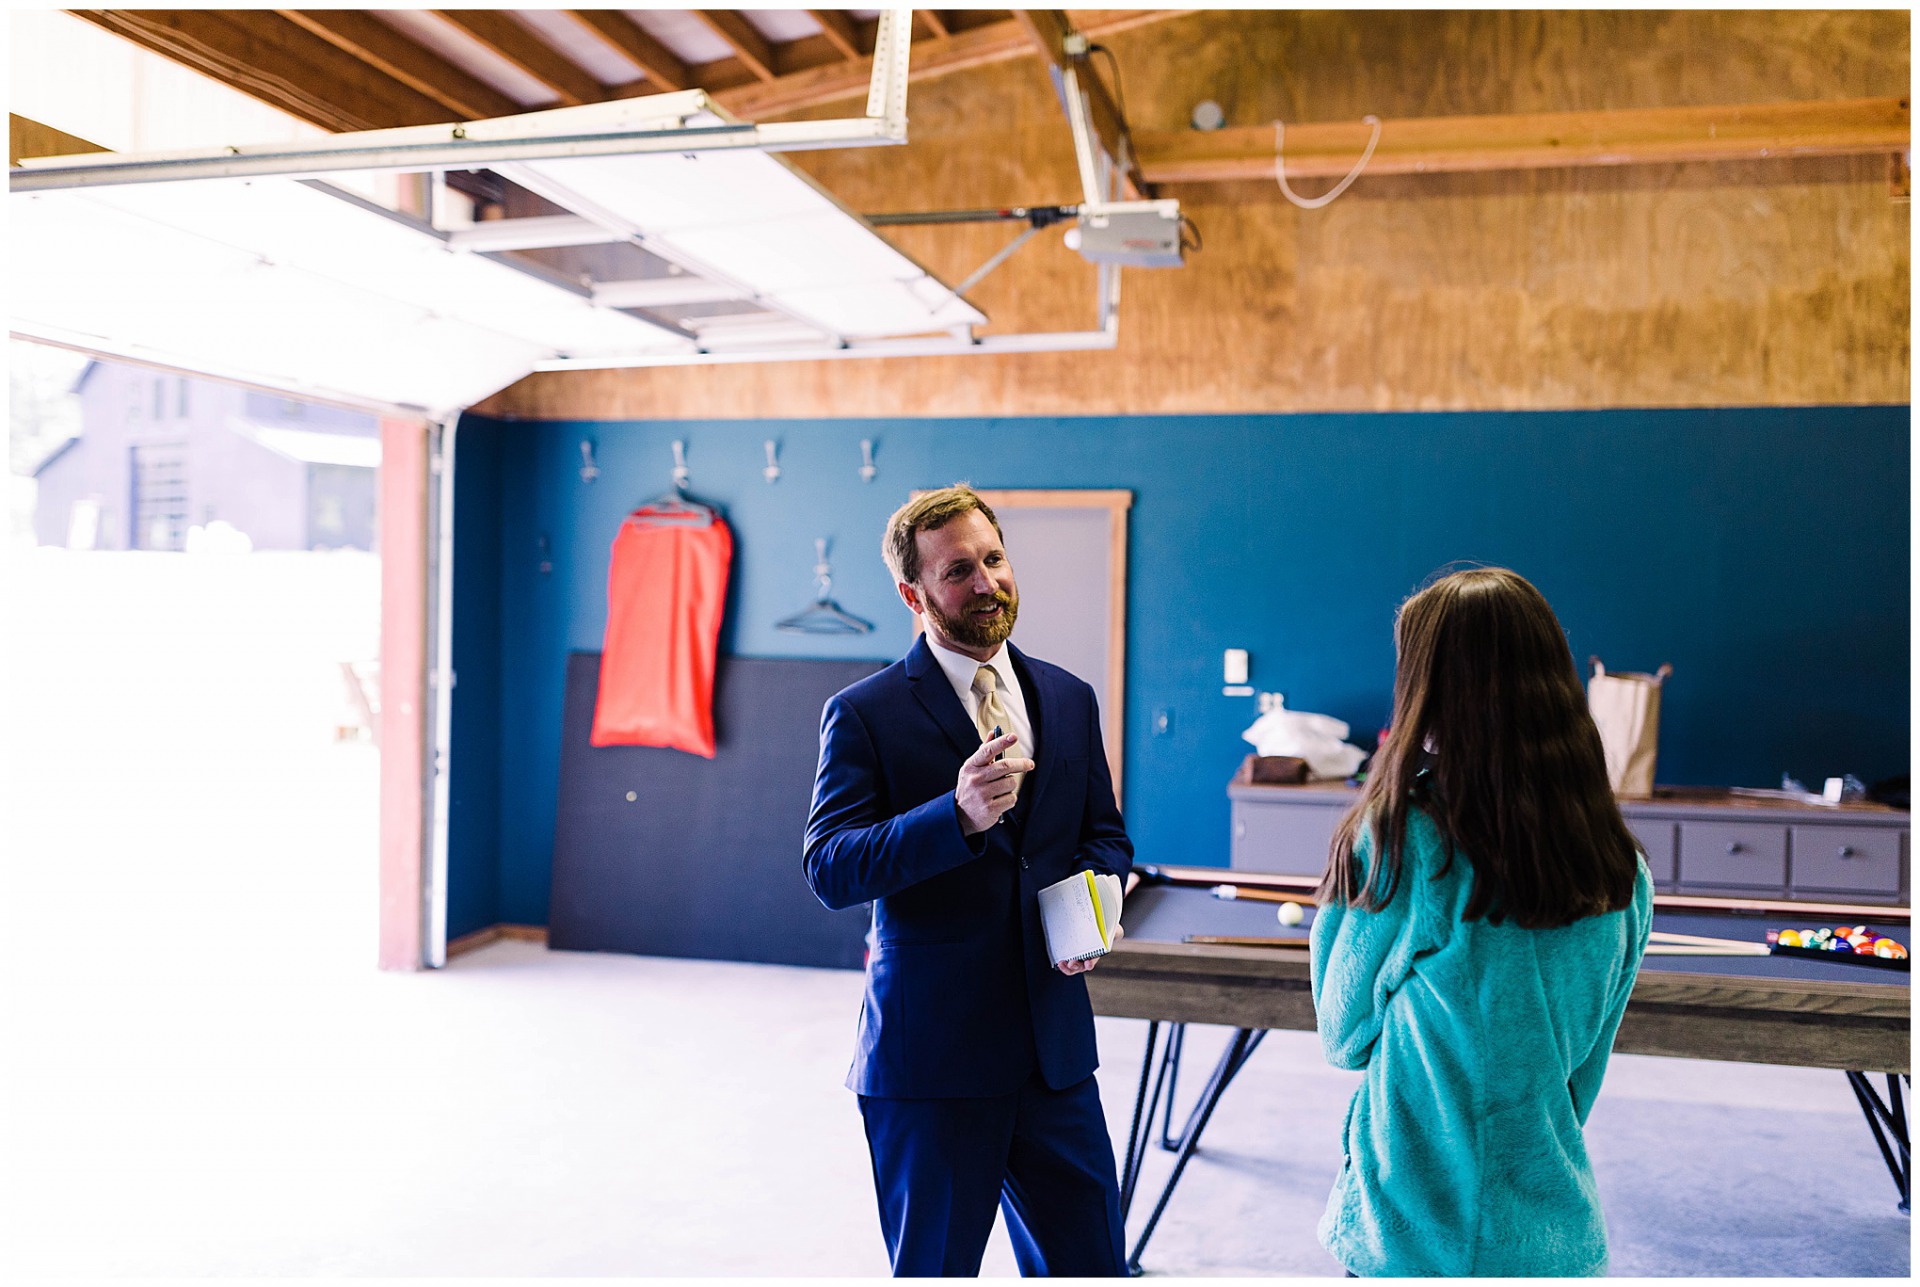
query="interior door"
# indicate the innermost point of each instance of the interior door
(1069, 555)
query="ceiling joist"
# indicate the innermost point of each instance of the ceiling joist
(665, 69)
(839, 31)
(261, 53)
(373, 42)
(1447, 144)
(1049, 29)
(743, 38)
(981, 46)
(516, 43)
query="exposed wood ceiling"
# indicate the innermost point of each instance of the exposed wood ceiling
(345, 69)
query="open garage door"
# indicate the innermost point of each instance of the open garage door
(415, 271)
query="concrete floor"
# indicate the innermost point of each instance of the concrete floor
(535, 1113)
(206, 1077)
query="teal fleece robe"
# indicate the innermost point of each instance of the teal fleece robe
(1483, 1047)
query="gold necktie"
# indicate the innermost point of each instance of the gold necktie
(992, 714)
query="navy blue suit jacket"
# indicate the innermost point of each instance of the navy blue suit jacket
(961, 998)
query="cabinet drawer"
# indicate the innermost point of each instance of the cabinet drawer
(1747, 855)
(1289, 838)
(1847, 859)
(1657, 843)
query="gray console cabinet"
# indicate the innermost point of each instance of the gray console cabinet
(1697, 841)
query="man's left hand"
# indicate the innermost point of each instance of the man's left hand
(1081, 967)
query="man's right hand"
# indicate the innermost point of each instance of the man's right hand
(986, 788)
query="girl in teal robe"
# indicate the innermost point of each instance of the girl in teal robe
(1481, 923)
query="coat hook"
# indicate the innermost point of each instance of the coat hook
(588, 469)
(867, 470)
(680, 473)
(772, 471)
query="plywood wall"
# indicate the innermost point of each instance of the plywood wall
(1770, 283)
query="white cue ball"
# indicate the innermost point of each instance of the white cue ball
(1290, 914)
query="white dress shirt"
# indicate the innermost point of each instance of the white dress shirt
(960, 670)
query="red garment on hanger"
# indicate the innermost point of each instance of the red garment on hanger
(666, 591)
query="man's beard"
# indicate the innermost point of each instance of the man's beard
(973, 633)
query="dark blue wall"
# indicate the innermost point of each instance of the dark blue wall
(1763, 552)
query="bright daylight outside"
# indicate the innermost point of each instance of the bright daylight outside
(192, 618)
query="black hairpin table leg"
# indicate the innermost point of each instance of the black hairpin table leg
(1142, 1115)
(1170, 1076)
(1245, 1041)
(1888, 1122)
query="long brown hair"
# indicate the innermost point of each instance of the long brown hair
(1491, 737)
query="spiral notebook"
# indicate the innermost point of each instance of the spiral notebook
(1080, 915)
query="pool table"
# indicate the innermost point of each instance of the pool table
(1770, 1009)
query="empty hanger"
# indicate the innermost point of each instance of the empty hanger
(823, 616)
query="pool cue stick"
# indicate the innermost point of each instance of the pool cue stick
(1778, 907)
(1701, 949)
(1241, 894)
(1301, 944)
(1267, 881)
(1245, 940)
(1698, 940)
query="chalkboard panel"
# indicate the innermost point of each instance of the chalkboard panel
(704, 860)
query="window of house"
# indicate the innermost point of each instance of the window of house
(160, 398)
(180, 406)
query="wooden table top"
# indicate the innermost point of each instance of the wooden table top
(1775, 1010)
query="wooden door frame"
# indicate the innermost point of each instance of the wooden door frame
(405, 479)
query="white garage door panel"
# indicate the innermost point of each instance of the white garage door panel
(289, 223)
(284, 281)
(148, 291)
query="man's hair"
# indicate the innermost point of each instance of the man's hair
(927, 512)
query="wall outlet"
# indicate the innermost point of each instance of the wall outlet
(1272, 702)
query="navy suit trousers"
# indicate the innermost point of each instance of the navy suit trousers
(1044, 1156)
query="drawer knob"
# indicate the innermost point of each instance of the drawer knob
(1846, 851)
(1734, 846)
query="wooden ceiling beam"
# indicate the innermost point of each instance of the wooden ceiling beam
(976, 47)
(29, 138)
(1451, 144)
(373, 42)
(1049, 29)
(930, 19)
(664, 68)
(838, 28)
(262, 54)
(959, 20)
(743, 38)
(517, 43)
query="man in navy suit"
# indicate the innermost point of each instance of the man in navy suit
(975, 1058)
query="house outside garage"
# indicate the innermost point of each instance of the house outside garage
(160, 454)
